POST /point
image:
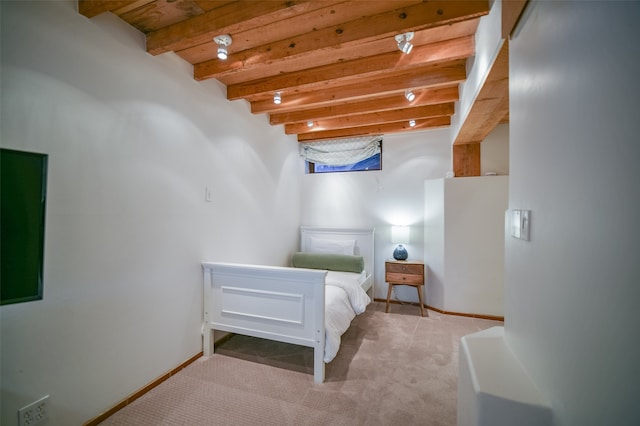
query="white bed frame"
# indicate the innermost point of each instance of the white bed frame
(277, 303)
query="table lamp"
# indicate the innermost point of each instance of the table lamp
(400, 235)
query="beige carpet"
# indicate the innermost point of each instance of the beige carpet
(392, 369)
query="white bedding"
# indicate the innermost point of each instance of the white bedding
(344, 299)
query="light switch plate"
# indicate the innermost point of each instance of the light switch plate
(520, 224)
(515, 223)
(524, 224)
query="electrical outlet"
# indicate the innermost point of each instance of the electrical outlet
(35, 413)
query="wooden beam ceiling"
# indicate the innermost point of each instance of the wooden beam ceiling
(335, 62)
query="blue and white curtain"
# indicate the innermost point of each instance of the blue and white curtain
(341, 152)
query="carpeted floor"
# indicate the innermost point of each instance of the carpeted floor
(392, 369)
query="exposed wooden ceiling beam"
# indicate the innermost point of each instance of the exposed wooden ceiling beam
(335, 62)
(230, 18)
(330, 15)
(372, 118)
(361, 68)
(91, 8)
(424, 124)
(431, 76)
(202, 28)
(357, 32)
(395, 101)
(332, 56)
(511, 11)
(492, 102)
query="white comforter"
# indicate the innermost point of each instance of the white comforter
(344, 299)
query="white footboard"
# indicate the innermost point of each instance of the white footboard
(275, 303)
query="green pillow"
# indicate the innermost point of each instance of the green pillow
(328, 261)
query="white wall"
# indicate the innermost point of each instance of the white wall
(494, 151)
(572, 291)
(396, 196)
(133, 141)
(392, 196)
(464, 244)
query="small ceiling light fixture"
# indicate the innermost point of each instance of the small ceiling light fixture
(309, 123)
(412, 123)
(277, 98)
(403, 41)
(223, 41)
(409, 95)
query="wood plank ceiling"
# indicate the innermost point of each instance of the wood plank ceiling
(336, 64)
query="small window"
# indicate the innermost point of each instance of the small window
(343, 155)
(372, 163)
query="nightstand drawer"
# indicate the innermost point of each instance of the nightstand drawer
(403, 278)
(409, 268)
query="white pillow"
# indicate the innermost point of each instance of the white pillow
(325, 245)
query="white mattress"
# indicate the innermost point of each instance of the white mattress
(344, 299)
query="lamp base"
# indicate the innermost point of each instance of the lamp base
(400, 253)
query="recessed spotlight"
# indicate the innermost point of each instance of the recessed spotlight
(223, 41)
(403, 41)
(309, 123)
(409, 95)
(277, 98)
(412, 123)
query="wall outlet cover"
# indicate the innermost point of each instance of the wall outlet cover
(35, 413)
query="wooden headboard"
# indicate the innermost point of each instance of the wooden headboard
(363, 238)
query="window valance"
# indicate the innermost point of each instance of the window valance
(340, 152)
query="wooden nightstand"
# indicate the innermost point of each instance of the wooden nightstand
(405, 272)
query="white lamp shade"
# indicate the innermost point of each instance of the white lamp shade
(400, 234)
